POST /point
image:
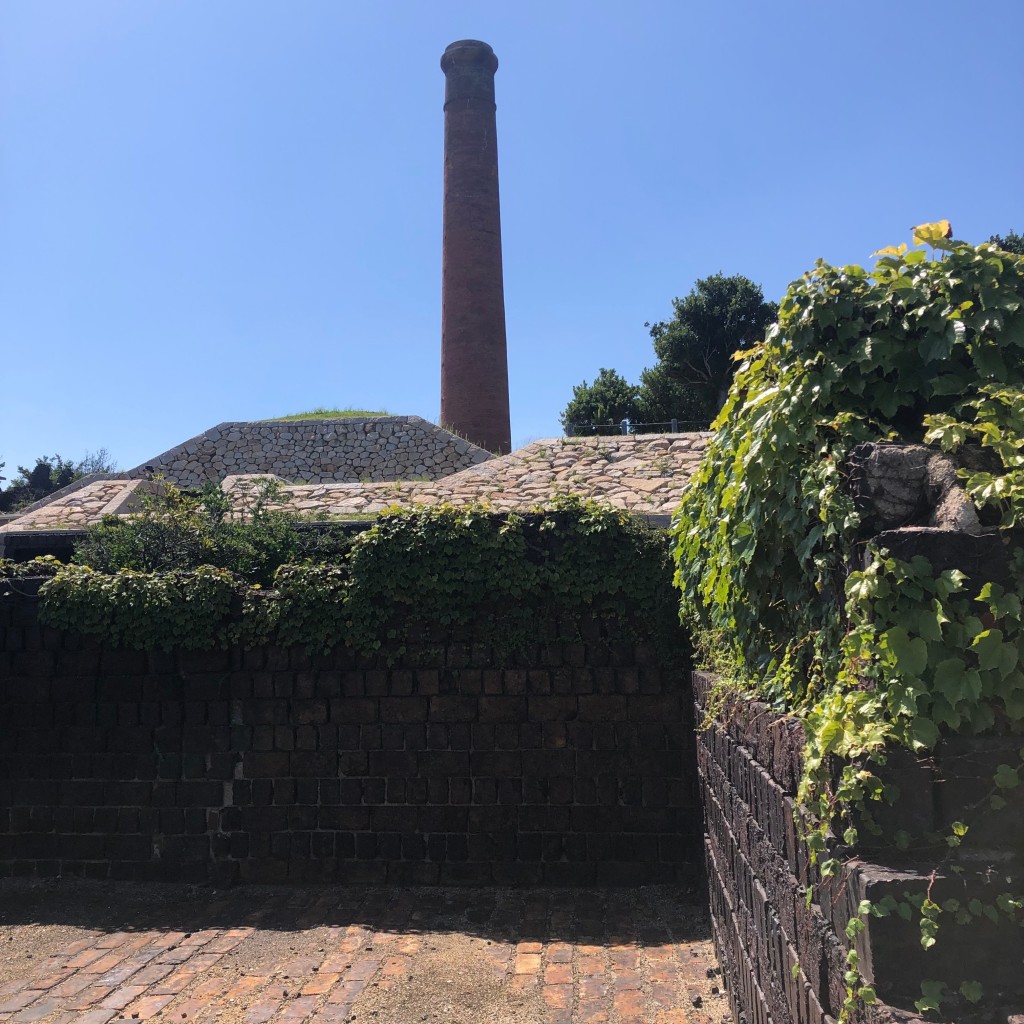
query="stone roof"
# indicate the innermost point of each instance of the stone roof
(644, 474)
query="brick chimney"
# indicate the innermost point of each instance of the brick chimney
(474, 363)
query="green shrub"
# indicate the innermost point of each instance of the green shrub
(181, 530)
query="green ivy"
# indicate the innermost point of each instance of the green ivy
(142, 610)
(917, 349)
(507, 581)
(39, 567)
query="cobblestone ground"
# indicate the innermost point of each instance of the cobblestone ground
(88, 953)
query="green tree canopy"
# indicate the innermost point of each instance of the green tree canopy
(1011, 242)
(603, 404)
(49, 474)
(720, 316)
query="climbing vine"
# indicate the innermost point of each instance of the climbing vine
(876, 653)
(508, 581)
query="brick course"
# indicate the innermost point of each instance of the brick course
(271, 764)
(783, 957)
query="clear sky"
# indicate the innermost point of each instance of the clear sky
(231, 209)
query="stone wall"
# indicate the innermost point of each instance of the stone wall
(783, 958)
(571, 766)
(317, 451)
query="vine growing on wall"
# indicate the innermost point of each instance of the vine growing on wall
(508, 581)
(921, 348)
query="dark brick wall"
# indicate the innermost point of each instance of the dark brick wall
(783, 957)
(573, 766)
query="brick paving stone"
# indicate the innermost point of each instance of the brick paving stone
(319, 984)
(557, 1003)
(566, 957)
(347, 992)
(558, 974)
(152, 973)
(629, 1007)
(84, 958)
(527, 963)
(89, 997)
(227, 941)
(592, 989)
(298, 1009)
(72, 986)
(559, 953)
(242, 987)
(362, 969)
(521, 983)
(262, 1011)
(147, 1007)
(590, 965)
(121, 997)
(332, 1014)
(97, 1016)
(37, 1011)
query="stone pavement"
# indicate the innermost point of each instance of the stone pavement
(645, 473)
(89, 953)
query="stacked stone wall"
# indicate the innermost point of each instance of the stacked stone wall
(320, 451)
(573, 766)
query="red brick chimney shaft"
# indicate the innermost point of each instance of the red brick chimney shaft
(474, 363)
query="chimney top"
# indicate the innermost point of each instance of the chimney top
(469, 53)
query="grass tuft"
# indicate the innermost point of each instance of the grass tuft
(330, 414)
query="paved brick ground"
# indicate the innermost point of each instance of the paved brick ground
(89, 954)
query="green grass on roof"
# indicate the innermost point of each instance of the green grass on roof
(330, 414)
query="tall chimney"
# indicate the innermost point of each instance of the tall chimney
(474, 363)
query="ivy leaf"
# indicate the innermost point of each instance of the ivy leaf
(972, 991)
(911, 653)
(933, 234)
(924, 734)
(931, 996)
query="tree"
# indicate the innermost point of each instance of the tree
(1011, 242)
(720, 316)
(603, 404)
(49, 474)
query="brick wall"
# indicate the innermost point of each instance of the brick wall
(574, 765)
(783, 958)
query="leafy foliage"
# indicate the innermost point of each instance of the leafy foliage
(720, 316)
(35, 568)
(49, 474)
(604, 404)
(916, 349)
(182, 530)
(505, 581)
(1010, 242)
(142, 610)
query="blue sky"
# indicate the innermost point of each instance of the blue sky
(231, 209)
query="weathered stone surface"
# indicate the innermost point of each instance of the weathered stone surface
(644, 474)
